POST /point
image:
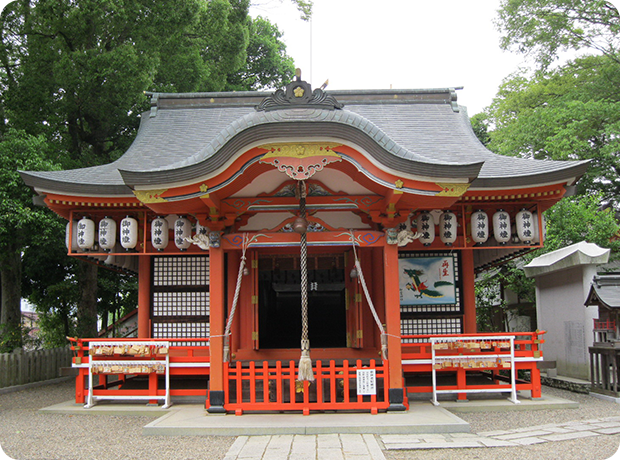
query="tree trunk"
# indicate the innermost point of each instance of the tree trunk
(87, 307)
(10, 297)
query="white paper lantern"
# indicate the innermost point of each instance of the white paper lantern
(72, 235)
(426, 227)
(129, 233)
(182, 230)
(501, 227)
(479, 227)
(107, 233)
(536, 236)
(448, 228)
(159, 233)
(86, 233)
(202, 230)
(525, 226)
(114, 260)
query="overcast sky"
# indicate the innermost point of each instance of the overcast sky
(404, 44)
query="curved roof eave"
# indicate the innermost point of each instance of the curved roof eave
(44, 182)
(246, 132)
(569, 173)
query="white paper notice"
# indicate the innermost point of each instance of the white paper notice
(366, 382)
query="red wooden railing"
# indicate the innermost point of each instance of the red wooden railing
(417, 354)
(186, 360)
(275, 387)
(604, 325)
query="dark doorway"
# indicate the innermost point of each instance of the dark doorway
(280, 302)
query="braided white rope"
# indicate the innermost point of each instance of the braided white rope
(362, 281)
(305, 362)
(231, 316)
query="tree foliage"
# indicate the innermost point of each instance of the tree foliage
(267, 65)
(567, 112)
(581, 218)
(21, 225)
(544, 28)
(570, 113)
(76, 71)
(72, 77)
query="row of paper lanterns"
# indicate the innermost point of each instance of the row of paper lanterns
(86, 235)
(85, 231)
(526, 224)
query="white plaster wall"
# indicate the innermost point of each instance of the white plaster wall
(559, 305)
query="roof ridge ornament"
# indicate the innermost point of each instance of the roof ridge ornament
(298, 94)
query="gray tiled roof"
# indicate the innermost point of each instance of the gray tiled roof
(417, 132)
(605, 288)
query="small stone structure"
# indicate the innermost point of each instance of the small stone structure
(563, 280)
(604, 373)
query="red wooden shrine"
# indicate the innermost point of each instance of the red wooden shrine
(402, 206)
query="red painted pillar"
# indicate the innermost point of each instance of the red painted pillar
(217, 318)
(144, 297)
(470, 325)
(392, 319)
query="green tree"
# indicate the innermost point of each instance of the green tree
(581, 218)
(570, 113)
(543, 28)
(75, 72)
(267, 64)
(21, 225)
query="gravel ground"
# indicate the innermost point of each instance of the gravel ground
(27, 435)
(596, 448)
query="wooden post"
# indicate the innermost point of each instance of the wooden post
(217, 319)
(392, 318)
(144, 297)
(469, 294)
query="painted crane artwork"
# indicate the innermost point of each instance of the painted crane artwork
(427, 280)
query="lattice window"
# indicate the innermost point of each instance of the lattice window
(181, 271)
(181, 330)
(180, 297)
(180, 304)
(424, 326)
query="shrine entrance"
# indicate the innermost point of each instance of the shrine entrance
(280, 300)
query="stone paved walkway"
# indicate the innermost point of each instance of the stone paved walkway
(367, 446)
(306, 447)
(506, 438)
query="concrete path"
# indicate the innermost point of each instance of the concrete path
(367, 447)
(306, 447)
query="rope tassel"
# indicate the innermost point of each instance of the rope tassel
(305, 363)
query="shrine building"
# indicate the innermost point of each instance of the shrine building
(305, 250)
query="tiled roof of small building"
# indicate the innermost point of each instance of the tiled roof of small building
(605, 289)
(421, 133)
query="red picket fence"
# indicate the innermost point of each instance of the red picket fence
(275, 387)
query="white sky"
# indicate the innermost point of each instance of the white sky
(403, 44)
